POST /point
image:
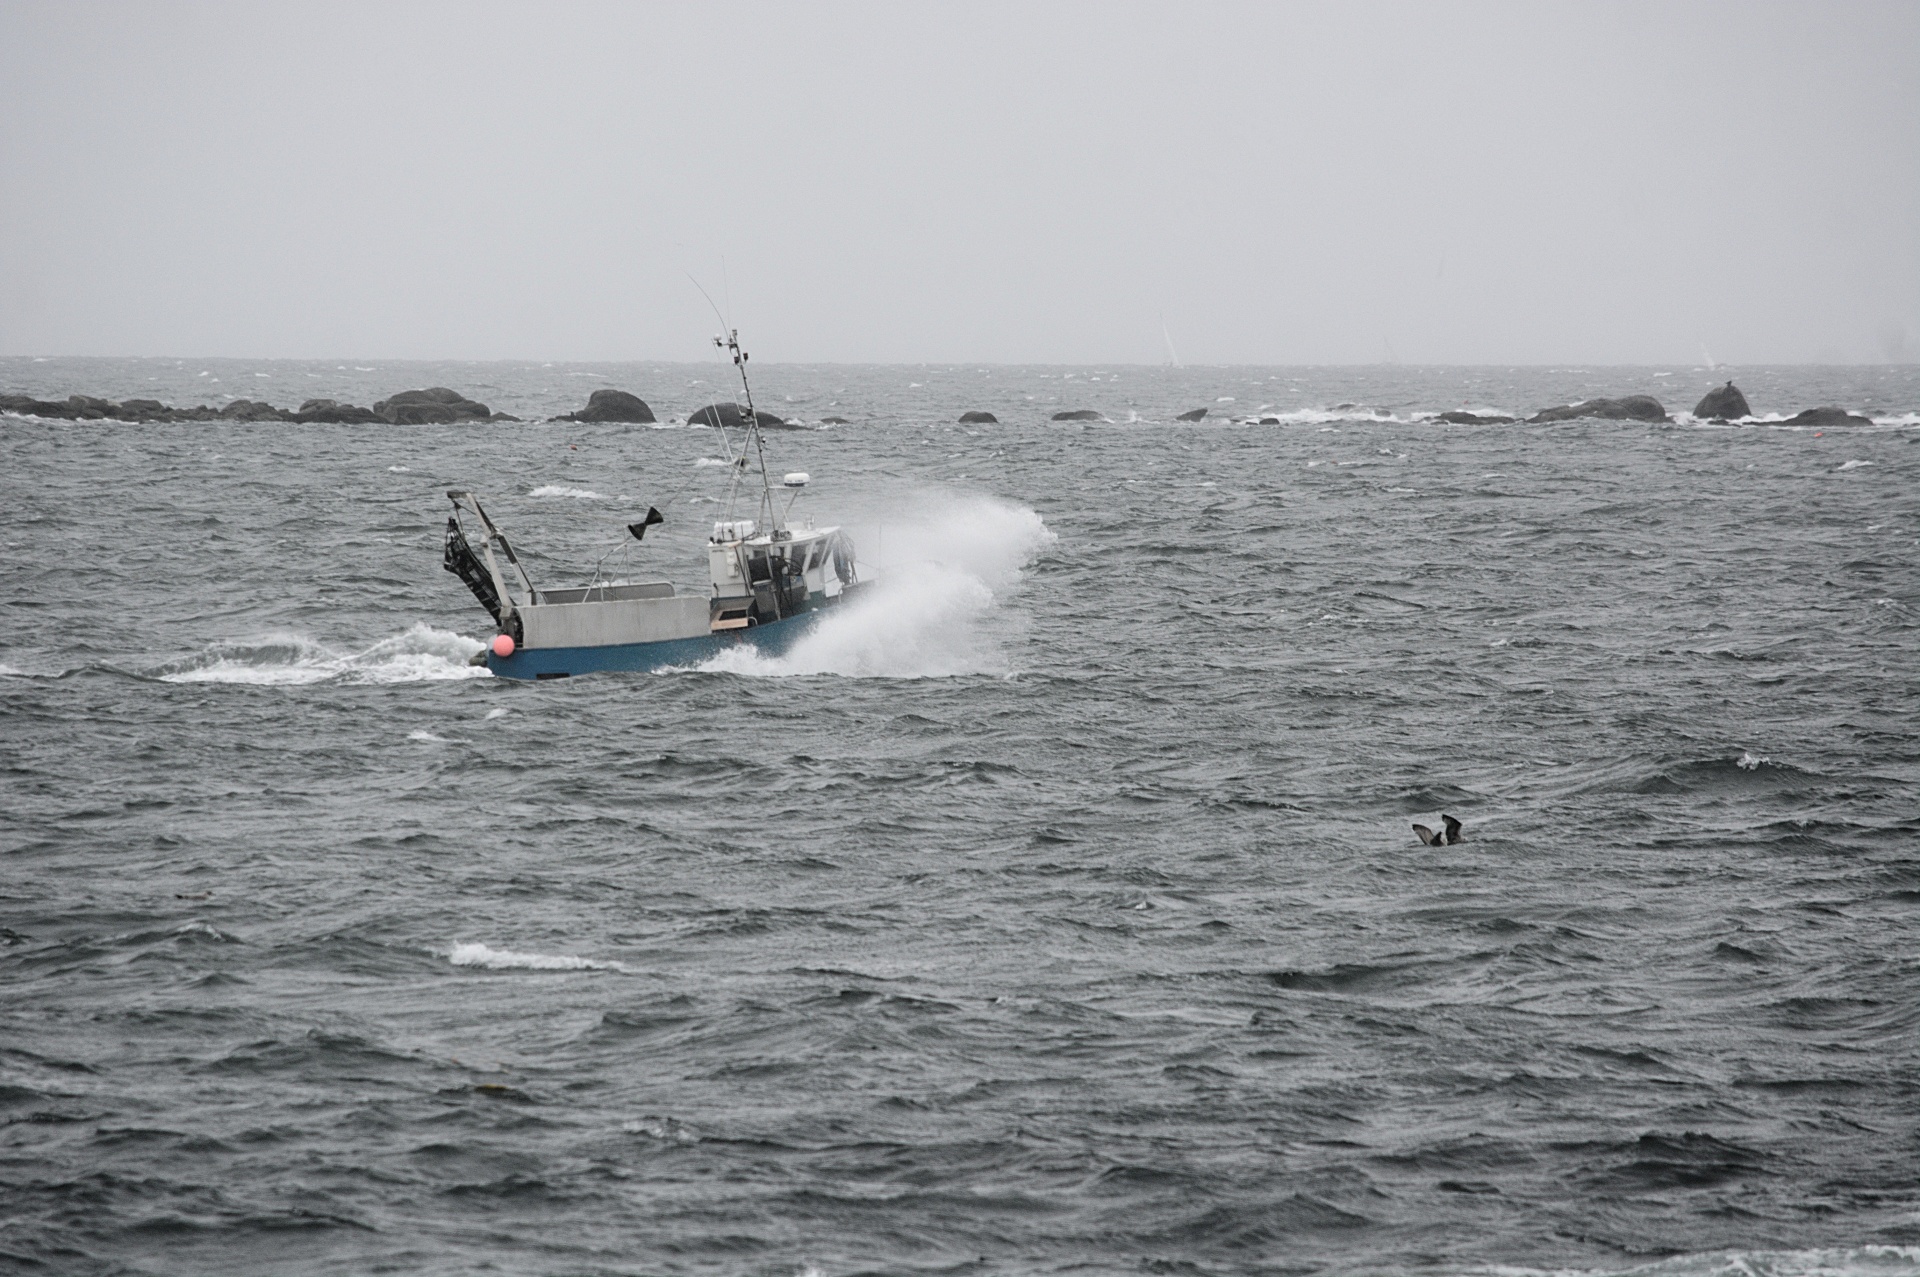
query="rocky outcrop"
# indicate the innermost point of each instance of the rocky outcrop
(410, 407)
(833, 421)
(1827, 417)
(333, 412)
(433, 406)
(1630, 408)
(1475, 418)
(733, 416)
(613, 405)
(253, 410)
(1078, 414)
(978, 419)
(1724, 404)
(1198, 414)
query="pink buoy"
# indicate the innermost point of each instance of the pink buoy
(503, 645)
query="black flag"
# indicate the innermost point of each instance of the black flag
(639, 529)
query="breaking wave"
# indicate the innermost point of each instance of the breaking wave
(578, 494)
(934, 610)
(481, 955)
(1852, 1261)
(420, 654)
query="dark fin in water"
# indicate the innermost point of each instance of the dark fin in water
(1427, 836)
(1453, 829)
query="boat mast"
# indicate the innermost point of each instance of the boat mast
(732, 346)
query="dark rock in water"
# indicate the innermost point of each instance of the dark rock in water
(1078, 414)
(251, 410)
(417, 407)
(422, 414)
(1827, 417)
(978, 419)
(1198, 414)
(833, 421)
(1724, 404)
(142, 409)
(331, 411)
(1476, 418)
(32, 407)
(734, 417)
(1630, 408)
(612, 405)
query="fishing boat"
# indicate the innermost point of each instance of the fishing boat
(770, 582)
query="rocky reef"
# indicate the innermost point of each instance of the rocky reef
(1827, 417)
(613, 405)
(1628, 408)
(435, 405)
(733, 416)
(1723, 404)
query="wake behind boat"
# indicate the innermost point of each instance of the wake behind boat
(769, 583)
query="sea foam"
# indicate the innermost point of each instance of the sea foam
(419, 654)
(933, 611)
(558, 490)
(481, 955)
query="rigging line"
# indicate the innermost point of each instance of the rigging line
(752, 424)
(720, 420)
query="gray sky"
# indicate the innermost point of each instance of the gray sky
(1466, 183)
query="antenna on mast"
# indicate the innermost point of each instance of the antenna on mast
(731, 344)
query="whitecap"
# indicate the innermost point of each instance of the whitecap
(1852, 1261)
(556, 490)
(498, 711)
(1854, 465)
(1747, 762)
(397, 469)
(425, 736)
(481, 955)
(419, 654)
(710, 461)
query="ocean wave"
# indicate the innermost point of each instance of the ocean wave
(420, 654)
(1848, 1261)
(559, 490)
(1326, 416)
(475, 954)
(1748, 773)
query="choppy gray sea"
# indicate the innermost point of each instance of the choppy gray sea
(1056, 910)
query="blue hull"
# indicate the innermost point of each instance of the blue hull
(565, 662)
